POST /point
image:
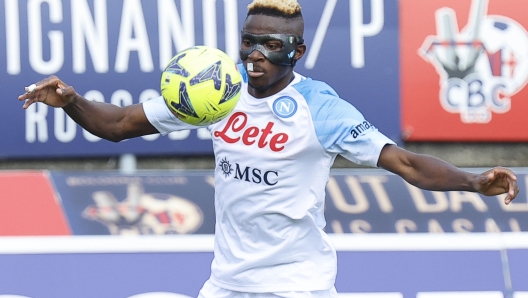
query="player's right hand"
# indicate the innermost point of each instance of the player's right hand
(51, 91)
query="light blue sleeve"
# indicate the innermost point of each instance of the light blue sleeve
(159, 115)
(340, 127)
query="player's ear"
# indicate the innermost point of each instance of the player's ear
(299, 51)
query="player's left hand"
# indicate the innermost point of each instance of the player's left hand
(497, 181)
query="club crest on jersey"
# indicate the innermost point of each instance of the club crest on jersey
(478, 72)
(284, 107)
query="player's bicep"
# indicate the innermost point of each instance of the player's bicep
(135, 123)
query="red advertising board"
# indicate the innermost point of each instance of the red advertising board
(464, 67)
(29, 206)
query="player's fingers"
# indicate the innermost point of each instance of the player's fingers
(51, 81)
(510, 174)
(35, 87)
(27, 94)
(486, 179)
(30, 97)
(27, 103)
(60, 87)
(503, 170)
(61, 84)
(499, 173)
(65, 90)
(513, 190)
(22, 96)
(31, 88)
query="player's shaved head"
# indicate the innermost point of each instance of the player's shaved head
(289, 10)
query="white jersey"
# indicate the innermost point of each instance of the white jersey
(273, 158)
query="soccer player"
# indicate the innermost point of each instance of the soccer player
(269, 239)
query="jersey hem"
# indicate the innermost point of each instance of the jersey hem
(305, 287)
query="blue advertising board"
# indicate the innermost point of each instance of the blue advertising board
(151, 203)
(114, 51)
(379, 202)
(369, 266)
(357, 201)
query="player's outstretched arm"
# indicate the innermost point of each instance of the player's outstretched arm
(101, 119)
(431, 173)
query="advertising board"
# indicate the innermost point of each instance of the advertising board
(369, 266)
(114, 52)
(464, 70)
(182, 202)
(357, 201)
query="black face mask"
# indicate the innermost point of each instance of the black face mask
(286, 55)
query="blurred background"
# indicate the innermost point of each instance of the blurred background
(439, 77)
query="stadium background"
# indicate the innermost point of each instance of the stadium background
(63, 193)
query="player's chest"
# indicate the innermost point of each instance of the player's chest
(265, 128)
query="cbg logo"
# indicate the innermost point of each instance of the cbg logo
(480, 67)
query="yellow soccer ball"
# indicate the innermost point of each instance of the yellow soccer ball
(201, 85)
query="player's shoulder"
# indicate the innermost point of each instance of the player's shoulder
(317, 92)
(314, 89)
(324, 102)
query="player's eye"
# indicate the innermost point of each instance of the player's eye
(246, 43)
(274, 45)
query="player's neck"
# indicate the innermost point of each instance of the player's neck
(270, 90)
